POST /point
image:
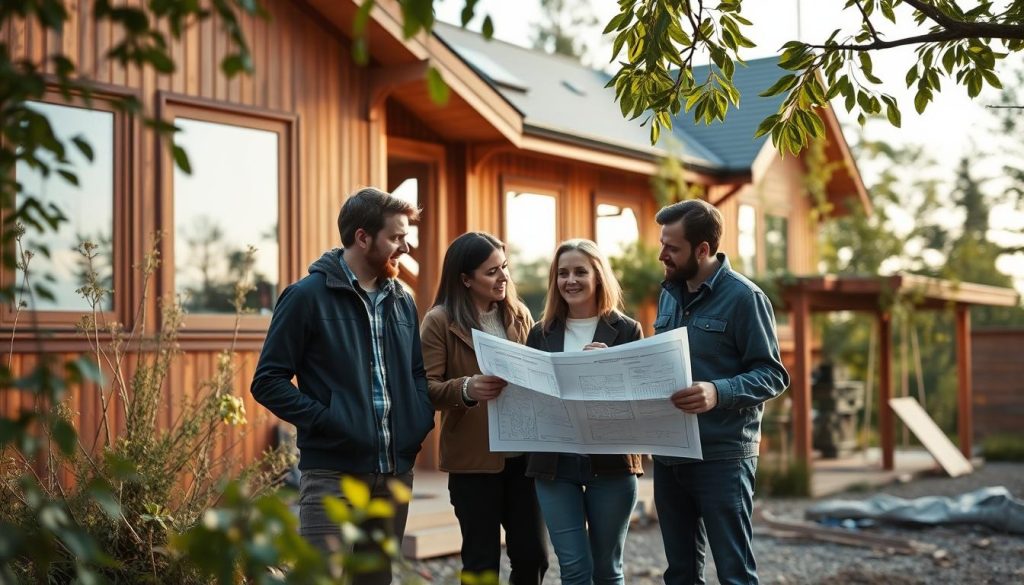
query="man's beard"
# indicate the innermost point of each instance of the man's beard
(681, 274)
(382, 265)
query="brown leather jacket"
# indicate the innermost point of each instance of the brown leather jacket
(449, 358)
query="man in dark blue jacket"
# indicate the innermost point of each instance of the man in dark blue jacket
(348, 333)
(736, 367)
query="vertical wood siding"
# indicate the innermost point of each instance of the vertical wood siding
(302, 67)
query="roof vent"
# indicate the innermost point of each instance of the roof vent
(571, 87)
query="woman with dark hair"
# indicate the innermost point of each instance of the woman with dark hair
(488, 490)
(587, 500)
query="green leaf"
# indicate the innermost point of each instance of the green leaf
(436, 87)
(83, 369)
(337, 510)
(363, 17)
(620, 39)
(68, 176)
(103, 496)
(487, 28)
(948, 59)
(84, 147)
(911, 75)
(64, 435)
(766, 125)
(234, 64)
(783, 84)
(613, 24)
(992, 78)
(893, 113)
(181, 159)
(921, 100)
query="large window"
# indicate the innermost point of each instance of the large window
(747, 235)
(531, 234)
(231, 201)
(88, 208)
(616, 228)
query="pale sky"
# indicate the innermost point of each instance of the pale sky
(952, 126)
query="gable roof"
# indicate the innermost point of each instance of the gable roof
(560, 97)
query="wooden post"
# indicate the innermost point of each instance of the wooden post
(885, 418)
(800, 384)
(965, 391)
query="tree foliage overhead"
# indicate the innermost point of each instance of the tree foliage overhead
(657, 41)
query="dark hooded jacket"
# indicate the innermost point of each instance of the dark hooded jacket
(320, 336)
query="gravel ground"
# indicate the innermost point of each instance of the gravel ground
(972, 555)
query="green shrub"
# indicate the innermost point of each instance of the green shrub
(1003, 447)
(783, 480)
(132, 488)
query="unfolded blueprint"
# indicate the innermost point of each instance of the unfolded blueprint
(613, 400)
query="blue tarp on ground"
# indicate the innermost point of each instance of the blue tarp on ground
(994, 507)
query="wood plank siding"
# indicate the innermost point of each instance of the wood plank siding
(998, 380)
(304, 74)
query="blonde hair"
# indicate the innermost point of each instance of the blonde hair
(607, 289)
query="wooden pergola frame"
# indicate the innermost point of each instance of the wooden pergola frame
(818, 294)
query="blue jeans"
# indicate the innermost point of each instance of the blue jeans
(707, 503)
(587, 522)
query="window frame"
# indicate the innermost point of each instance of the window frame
(523, 184)
(123, 236)
(435, 222)
(171, 106)
(636, 204)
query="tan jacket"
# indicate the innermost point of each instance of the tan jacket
(449, 359)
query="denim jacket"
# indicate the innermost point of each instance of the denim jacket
(731, 329)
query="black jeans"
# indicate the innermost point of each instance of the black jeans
(325, 535)
(484, 502)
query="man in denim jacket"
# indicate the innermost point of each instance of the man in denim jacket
(736, 367)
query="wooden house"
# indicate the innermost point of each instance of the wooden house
(529, 146)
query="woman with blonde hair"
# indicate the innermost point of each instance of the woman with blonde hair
(488, 490)
(587, 500)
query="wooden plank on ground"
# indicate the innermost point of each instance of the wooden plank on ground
(931, 436)
(781, 528)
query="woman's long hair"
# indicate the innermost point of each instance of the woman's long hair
(606, 288)
(464, 256)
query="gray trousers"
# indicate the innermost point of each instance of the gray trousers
(325, 535)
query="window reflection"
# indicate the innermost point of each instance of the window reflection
(229, 202)
(617, 228)
(747, 244)
(531, 237)
(88, 207)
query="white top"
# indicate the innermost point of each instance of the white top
(579, 332)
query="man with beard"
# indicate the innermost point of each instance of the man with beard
(736, 367)
(349, 335)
